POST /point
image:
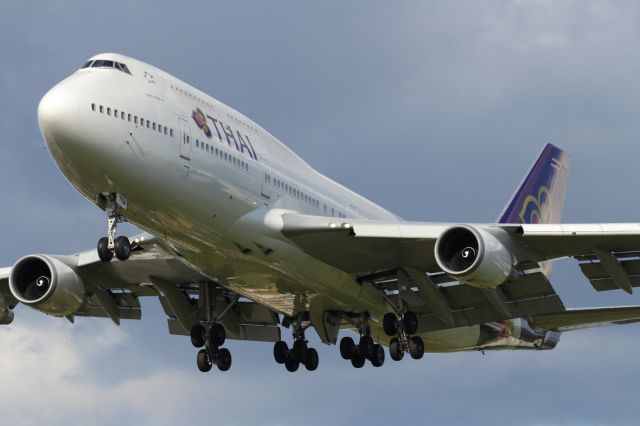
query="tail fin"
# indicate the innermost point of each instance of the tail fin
(540, 196)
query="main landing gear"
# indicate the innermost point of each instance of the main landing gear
(401, 331)
(299, 353)
(366, 349)
(211, 336)
(110, 245)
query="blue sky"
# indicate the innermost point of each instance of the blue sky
(433, 109)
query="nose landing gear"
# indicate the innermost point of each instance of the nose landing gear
(110, 245)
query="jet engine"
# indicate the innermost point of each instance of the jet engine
(473, 256)
(47, 285)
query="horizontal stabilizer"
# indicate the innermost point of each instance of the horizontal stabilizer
(575, 319)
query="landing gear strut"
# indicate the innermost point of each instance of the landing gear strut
(210, 335)
(401, 330)
(110, 245)
(299, 353)
(366, 349)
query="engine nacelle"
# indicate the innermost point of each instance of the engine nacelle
(47, 284)
(473, 256)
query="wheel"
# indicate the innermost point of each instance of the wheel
(347, 345)
(197, 335)
(300, 350)
(122, 248)
(366, 346)
(217, 335)
(410, 321)
(204, 361)
(291, 362)
(357, 359)
(390, 324)
(103, 250)
(280, 350)
(377, 359)
(223, 359)
(395, 350)
(416, 347)
(312, 359)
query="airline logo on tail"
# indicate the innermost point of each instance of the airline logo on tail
(540, 196)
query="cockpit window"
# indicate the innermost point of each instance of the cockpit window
(103, 63)
(122, 67)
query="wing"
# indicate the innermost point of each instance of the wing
(575, 319)
(362, 246)
(114, 290)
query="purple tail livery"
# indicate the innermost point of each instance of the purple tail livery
(540, 196)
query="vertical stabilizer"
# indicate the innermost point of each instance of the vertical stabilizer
(540, 196)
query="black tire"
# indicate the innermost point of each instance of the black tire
(347, 345)
(280, 350)
(366, 346)
(103, 250)
(197, 336)
(377, 359)
(357, 359)
(416, 347)
(410, 322)
(292, 365)
(223, 359)
(300, 350)
(217, 336)
(122, 248)
(390, 324)
(204, 361)
(395, 350)
(313, 359)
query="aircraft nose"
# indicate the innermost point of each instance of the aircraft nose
(56, 115)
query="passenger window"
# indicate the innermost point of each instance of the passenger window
(171, 132)
(115, 113)
(148, 124)
(154, 126)
(122, 115)
(135, 119)
(93, 107)
(165, 130)
(108, 111)
(197, 143)
(101, 109)
(129, 118)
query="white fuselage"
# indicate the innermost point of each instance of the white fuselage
(210, 182)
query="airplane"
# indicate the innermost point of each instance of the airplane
(242, 239)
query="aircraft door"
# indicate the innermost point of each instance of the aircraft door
(267, 181)
(185, 144)
(185, 140)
